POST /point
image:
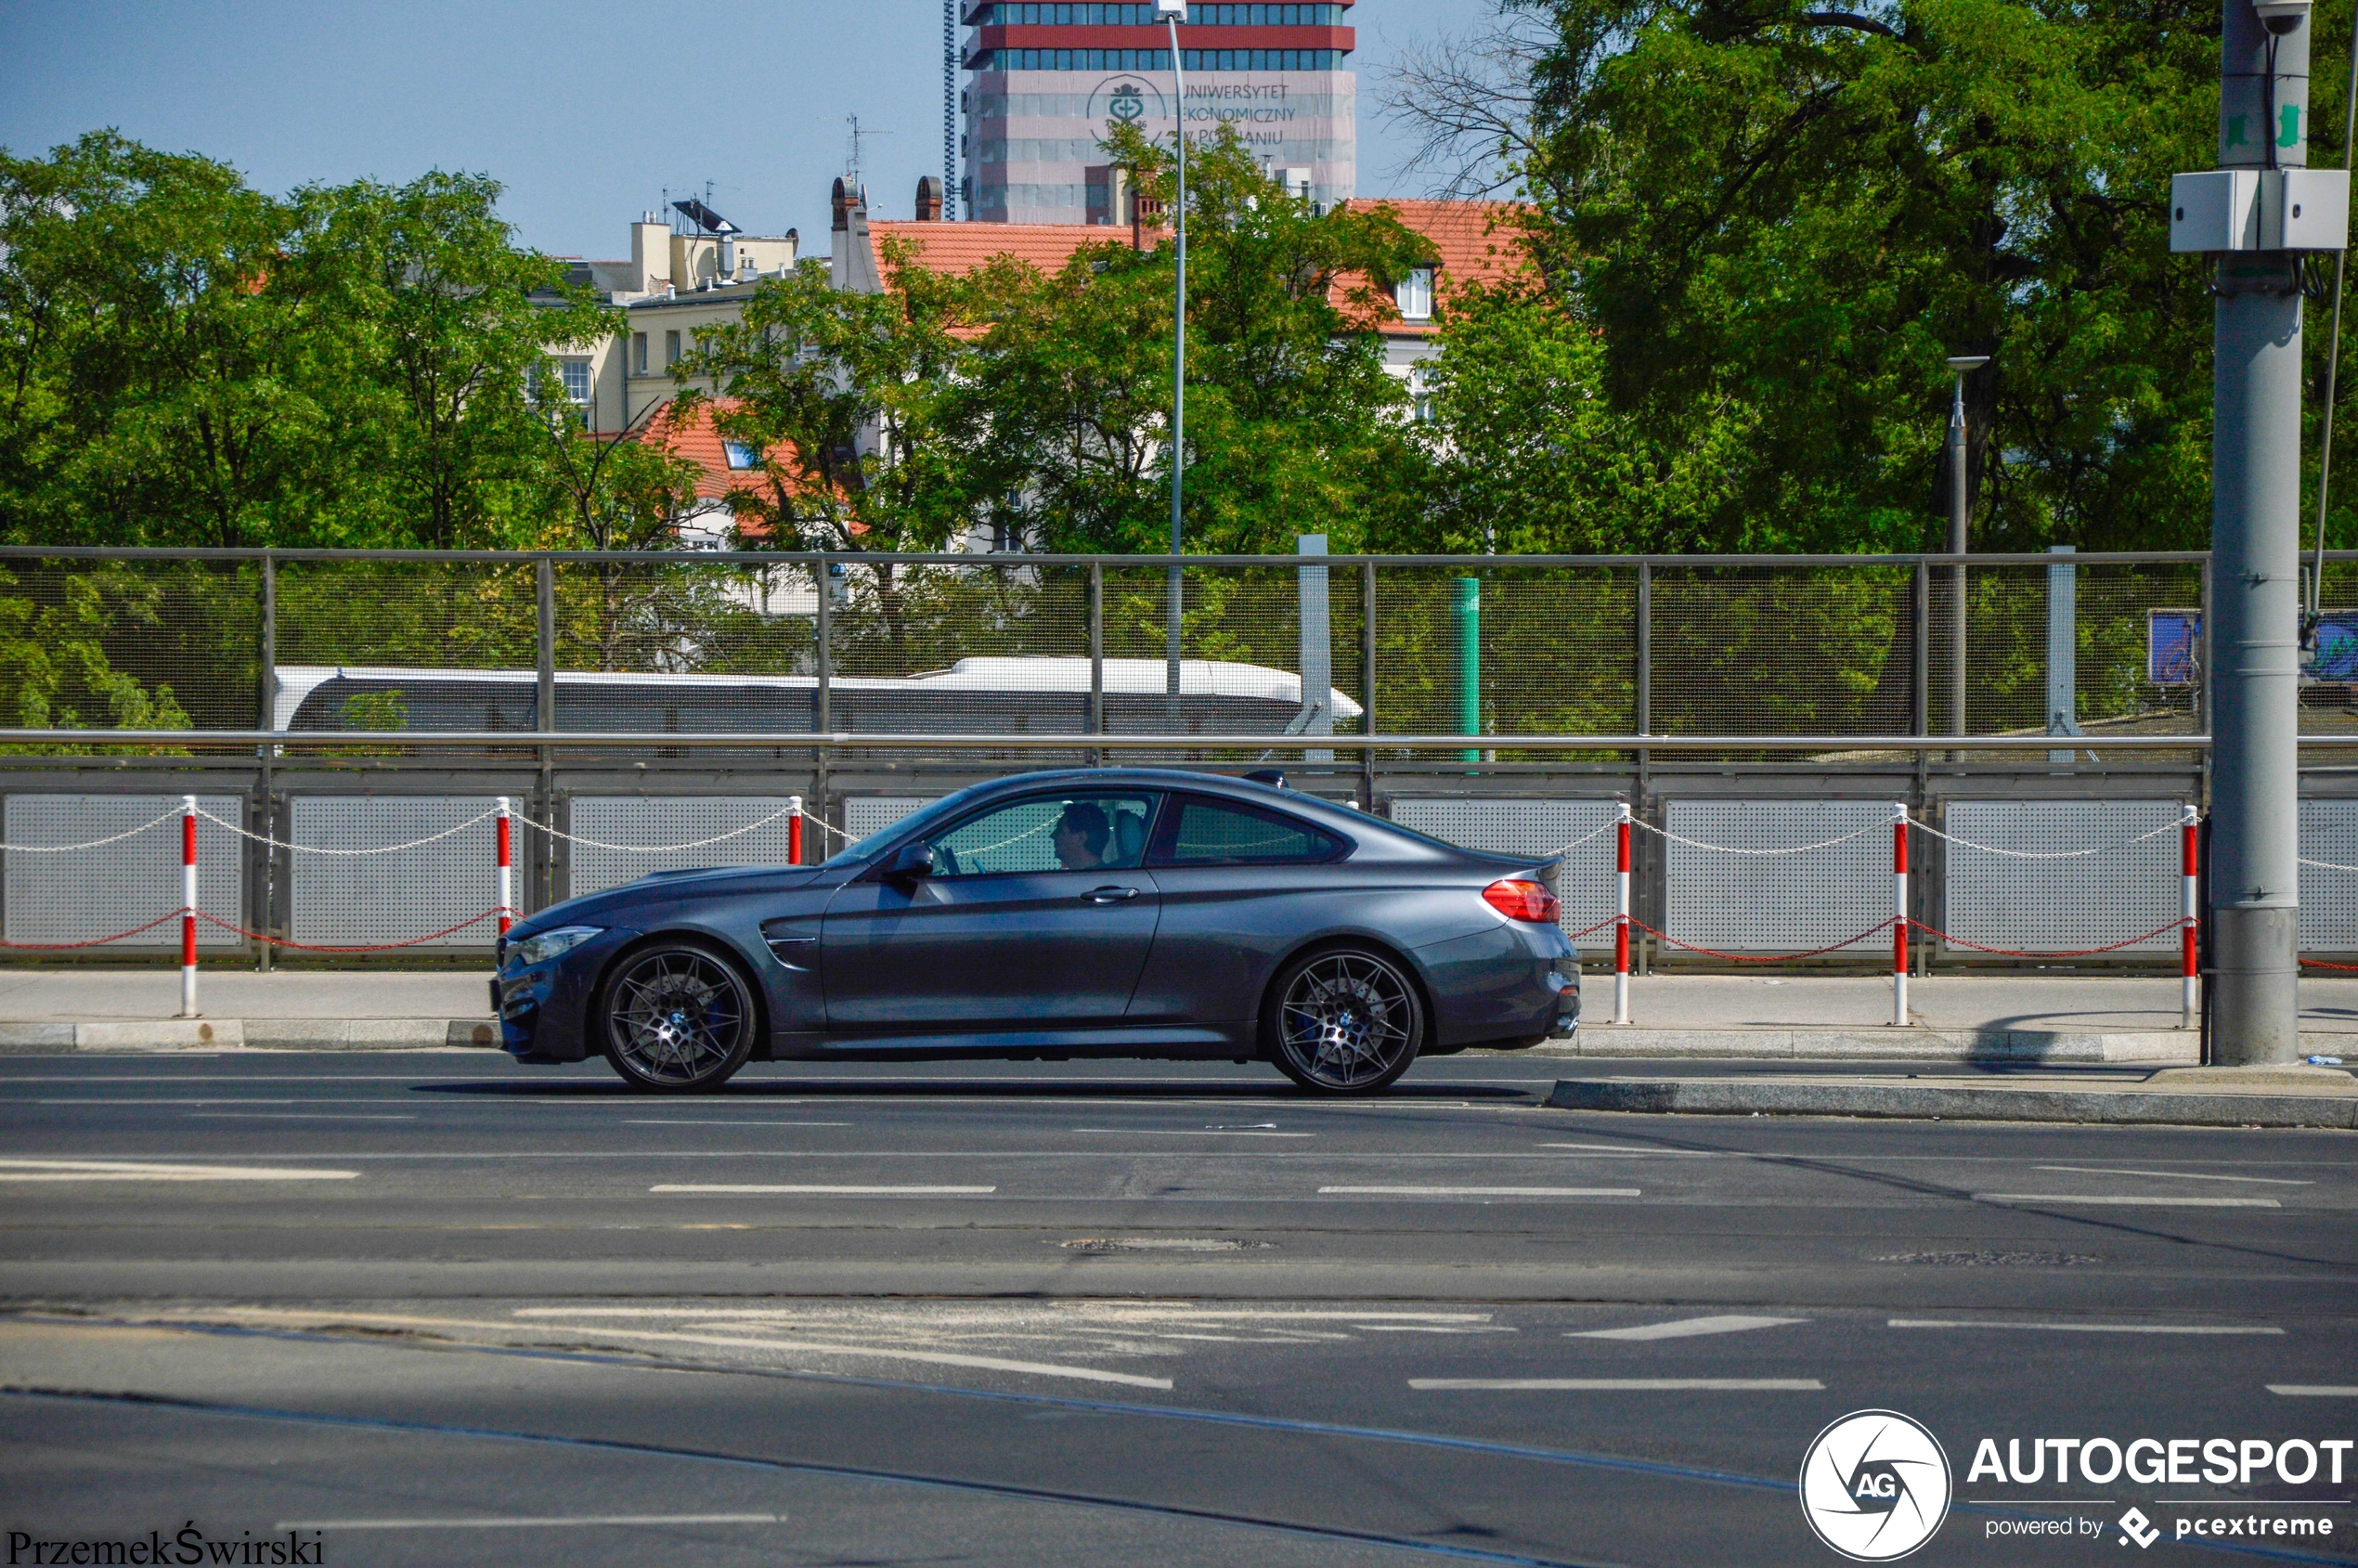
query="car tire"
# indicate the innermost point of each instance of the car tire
(677, 1018)
(1344, 1020)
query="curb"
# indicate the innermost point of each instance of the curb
(166, 1036)
(1721, 1096)
(2160, 1047)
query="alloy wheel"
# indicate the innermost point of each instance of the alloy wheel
(677, 1018)
(1347, 1021)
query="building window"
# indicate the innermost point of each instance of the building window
(639, 353)
(740, 455)
(1414, 294)
(671, 350)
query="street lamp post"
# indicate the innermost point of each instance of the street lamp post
(1174, 12)
(1959, 514)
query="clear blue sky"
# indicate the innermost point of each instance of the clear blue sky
(585, 112)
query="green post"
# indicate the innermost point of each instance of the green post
(1465, 620)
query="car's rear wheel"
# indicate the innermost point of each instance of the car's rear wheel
(677, 1018)
(1345, 1021)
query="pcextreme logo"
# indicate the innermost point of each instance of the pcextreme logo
(1874, 1486)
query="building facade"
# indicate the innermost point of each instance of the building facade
(1047, 82)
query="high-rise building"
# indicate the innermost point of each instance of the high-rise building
(1047, 80)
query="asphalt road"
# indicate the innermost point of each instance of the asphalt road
(440, 1309)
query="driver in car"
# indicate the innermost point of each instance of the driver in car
(1081, 837)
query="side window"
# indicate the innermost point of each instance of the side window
(1227, 833)
(1093, 831)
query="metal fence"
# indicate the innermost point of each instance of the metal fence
(350, 700)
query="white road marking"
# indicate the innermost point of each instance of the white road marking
(1191, 1133)
(1483, 1191)
(289, 1116)
(728, 1342)
(730, 1122)
(2315, 1391)
(2172, 1176)
(598, 1520)
(1629, 1385)
(1433, 1328)
(2083, 1328)
(1654, 1153)
(132, 1170)
(1686, 1327)
(2127, 1203)
(1122, 1309)
(826, 1191)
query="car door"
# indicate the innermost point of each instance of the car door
(1037, 917)
(1241, 884)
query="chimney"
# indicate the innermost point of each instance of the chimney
(854, 262)
(650, 254)
(929, 199)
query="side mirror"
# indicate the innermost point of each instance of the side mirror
(910, 862)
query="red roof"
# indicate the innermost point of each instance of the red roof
(1472, 242)
(960, 248)
(696, 439)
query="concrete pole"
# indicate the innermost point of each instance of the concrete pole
(1173, 633)
(1960, 515)
(2255, 531)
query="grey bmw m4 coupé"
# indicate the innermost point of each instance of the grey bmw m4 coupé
(1103, 912)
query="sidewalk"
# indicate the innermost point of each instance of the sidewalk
(2034, 1017)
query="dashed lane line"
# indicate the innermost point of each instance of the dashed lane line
(2085, 1327)
(1686, 1327)
(1624, 1385)
(1480, 1191)
(2172, 1176)
(589, 1522)
(2127, 1200)
(2315, 1391)
(130, 1170)
(825, 1190)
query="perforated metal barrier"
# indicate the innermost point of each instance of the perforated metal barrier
(2063, 905)
(353, 900)
(1777, 902)
(865, 814)
(630, 819)
(2330, 899)
(1584, 882)
(92, 893)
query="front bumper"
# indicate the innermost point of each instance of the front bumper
(543, 1009)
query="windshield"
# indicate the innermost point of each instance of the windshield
(922, 817)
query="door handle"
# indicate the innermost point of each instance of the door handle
(1109, 895)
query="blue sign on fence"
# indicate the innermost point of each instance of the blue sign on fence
(2173, 648)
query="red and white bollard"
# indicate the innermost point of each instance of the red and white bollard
(2188, 1001)
(794, 830)
(507, 869)
(1621, 916)
(188, 906)
(1899, 913)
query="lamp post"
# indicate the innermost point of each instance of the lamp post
(1959, 510)
(1174, 12)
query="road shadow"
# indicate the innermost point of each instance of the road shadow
(967, 1088)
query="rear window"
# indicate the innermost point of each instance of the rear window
(1224, 832)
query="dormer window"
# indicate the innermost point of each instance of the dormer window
(1413, 294)
(741, 456)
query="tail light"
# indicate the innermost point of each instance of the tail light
(1517, 900)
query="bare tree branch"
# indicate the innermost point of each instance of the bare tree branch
(1468, 101)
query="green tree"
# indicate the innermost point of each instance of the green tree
(1800, 214)
(158, 364)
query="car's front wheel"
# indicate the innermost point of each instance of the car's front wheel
(677, 1018)
(1344, 1021)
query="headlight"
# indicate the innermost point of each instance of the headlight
(544, 945)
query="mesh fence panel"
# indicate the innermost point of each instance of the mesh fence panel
(130, 644)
